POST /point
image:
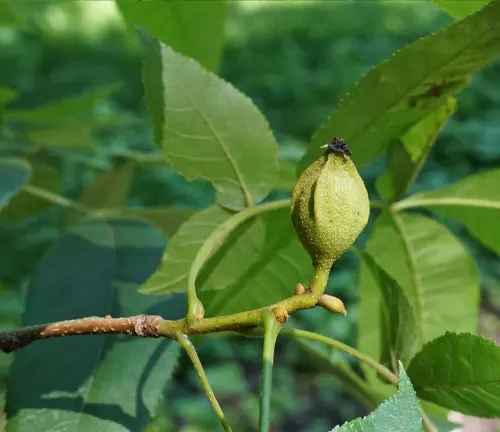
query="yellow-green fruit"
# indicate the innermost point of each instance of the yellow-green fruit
(330, 205)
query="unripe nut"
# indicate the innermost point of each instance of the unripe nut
(330, 205)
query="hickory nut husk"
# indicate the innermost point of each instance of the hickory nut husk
(330, 205)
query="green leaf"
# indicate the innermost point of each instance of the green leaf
(7, 15)
(109, 190)
(167, 219)
(398, 327)
(72, 136)
(53, 112)
(474, 201)
(274, 262)
(194, 29)
(393, 97)
(287, 176)
(208, 129)
(460, 372)
(14, 173)
(173, 272)
(6, 94)
(459, 9)
(25, 204)
(435, 271)
(406, 156)
(400, 413)
(90, 383)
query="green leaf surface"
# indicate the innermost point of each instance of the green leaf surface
(274, 262)
(14, 173)
(460, 372)
(107, 191)
(393, 97)
(173, 272)
(398, 327)
(400, 413)
(194, 29)
(25, 204)
(167, 219)
(287, 176)
(435, 271)
(6, 94)
(90, 383)
(474, 201)
(7, 15)
(406, 156)
(68, 136)
(459, 9)
(53, 112)
(208, 129)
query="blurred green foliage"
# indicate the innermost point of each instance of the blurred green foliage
(295, 62)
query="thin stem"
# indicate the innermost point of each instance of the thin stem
(320, 280)
(452, 201)
(54, 198)
(212, 243)
(392, 378)
(193, 355)
(377, 204)
(271, 330)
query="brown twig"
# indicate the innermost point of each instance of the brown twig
(155, 326)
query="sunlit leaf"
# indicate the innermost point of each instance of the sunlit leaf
(172, 274)
(194, 29)
(400, 413)
(208, 129)
(435, 271)
(393, 97)
(274, 262)
(407, 155)
(460, 8)
(474, 201)
(460, 372)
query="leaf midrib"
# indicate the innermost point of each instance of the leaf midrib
(434, 202)
(417, 288)
(225, 149)
(460, 386)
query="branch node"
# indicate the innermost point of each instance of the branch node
(281, 314)
(147, 325)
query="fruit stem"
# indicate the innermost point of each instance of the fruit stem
(320, 279)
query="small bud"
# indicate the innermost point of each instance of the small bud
(331, 304)
(281, 314)
(330, 205)
(299, 289)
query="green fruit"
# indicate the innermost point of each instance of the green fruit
(330, 205)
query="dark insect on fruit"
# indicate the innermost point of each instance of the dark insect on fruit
(338, 145)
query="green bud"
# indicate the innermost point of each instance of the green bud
(330, 205)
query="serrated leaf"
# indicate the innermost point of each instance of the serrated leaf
(274, 262)
(460, 372)
(392, 97)
(173, 272)
(435, 271)
(474, 201)
(107, 191)
(92, 383)
(14, 173)
(400, 413)
(208, 129)
(53, 112)
(407, 155)
(194, 29)
(459, 9)
(398, 327)
(25, 204)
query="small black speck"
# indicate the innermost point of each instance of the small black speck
(338, 145)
